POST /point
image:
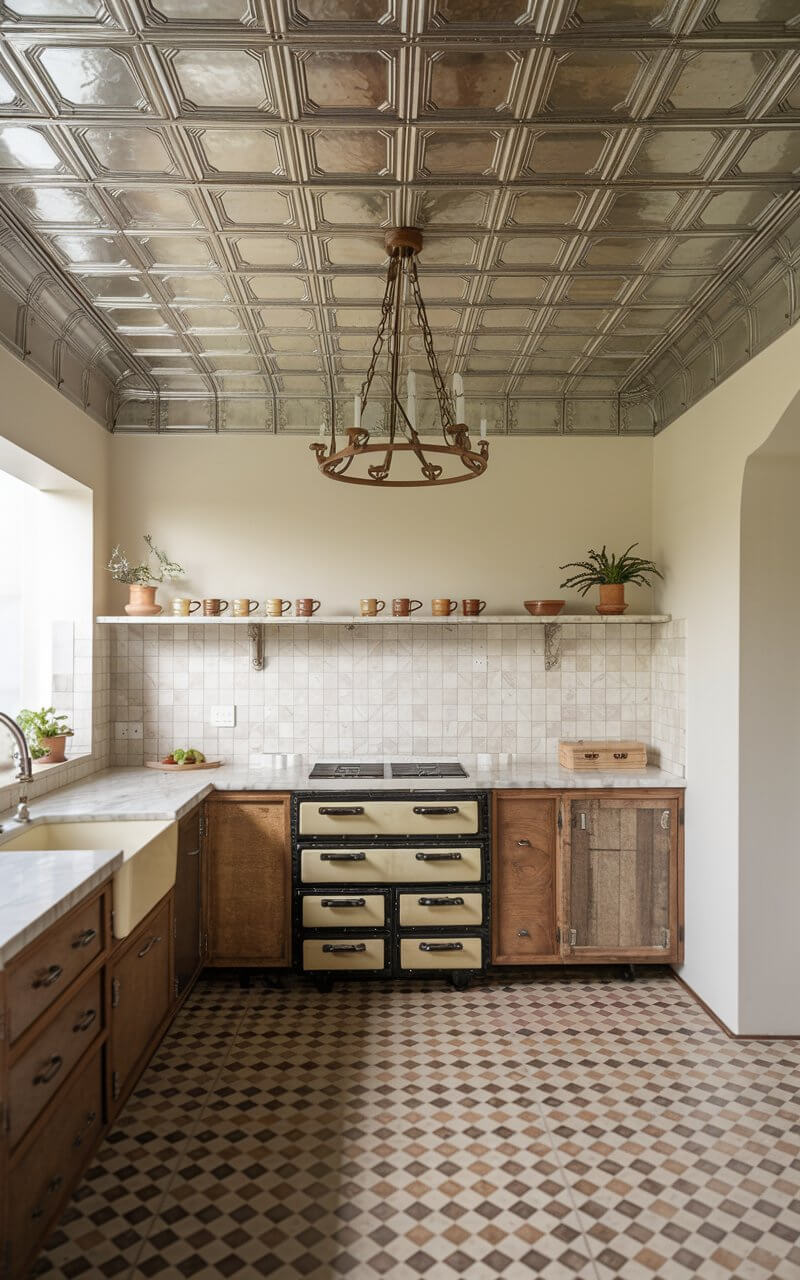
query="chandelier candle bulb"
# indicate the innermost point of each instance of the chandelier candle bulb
(483, 428)
(357, 412)
(458, 392)
(411, 397)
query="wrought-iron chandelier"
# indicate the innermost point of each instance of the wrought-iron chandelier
(447, 463)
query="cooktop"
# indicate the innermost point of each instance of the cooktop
(419, 769)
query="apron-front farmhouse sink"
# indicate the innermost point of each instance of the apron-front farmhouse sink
(149, 849)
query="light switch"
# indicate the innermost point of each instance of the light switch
(223, 717)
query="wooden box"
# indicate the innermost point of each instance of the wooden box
(608, 756)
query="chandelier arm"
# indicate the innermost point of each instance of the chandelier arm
(380, 337)
(415, 444)
(445, 405)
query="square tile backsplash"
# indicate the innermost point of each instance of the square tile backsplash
(341, 691)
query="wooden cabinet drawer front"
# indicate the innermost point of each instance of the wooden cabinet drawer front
(389, 866)
(40, 1180)
(441, 953)
(44, 1067)
(389, 817)
(437, 866)
(46, 970)
(344, 909)
(452, 909)
(344, 953)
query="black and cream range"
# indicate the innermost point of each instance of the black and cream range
(391, 883)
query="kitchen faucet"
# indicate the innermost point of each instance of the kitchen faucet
(24, 764)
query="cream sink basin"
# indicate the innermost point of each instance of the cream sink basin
(149, 849)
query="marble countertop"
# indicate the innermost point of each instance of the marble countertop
(37, 887)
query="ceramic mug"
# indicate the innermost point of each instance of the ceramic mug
(213, 607)
(182, 606)
(371, 607)
(441, 608)
(275, 607)
(471, 608)
(305, 606)
(403, 606)
(242, 608)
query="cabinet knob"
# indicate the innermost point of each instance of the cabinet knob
(523, 933)
(524, 844)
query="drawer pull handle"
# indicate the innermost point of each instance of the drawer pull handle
(441, 946)
(49, 1072)
(342, 857)
(523, 933)
(148, 946)
(77, 1141)
(85, 1020)
(83, 939)
(591, 755)
(435, 810)
(620, 755)
(440, 902)
(52, 1186)
(192, 853)
(51, 975)
(343, 902)
(350, 811)
(524, 844)
(437, 857)
(339, 948)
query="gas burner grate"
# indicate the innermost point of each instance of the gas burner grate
(343, 770)
(429, 769)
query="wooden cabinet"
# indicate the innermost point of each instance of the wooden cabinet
(587, 877)
(249, 880)
(525, 895)
(141, 996)
(188, 902)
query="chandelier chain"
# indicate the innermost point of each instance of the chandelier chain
(383, 324)
(445, 404)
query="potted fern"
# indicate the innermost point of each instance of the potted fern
(47, 733)
(141, 579)
(610, 573)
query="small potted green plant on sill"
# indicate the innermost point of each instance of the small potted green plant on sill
(47, 733)
(142, 579)
(610, 573)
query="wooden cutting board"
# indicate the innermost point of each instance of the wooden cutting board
(180, 768)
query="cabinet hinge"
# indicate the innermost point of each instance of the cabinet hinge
(558, 935)
(665, 937)
(114, 993)
(560, 819)
(205, 944)
(203, 825)
(174, 926)
(573, 937)
(680, 932)
(175, 987)
(112, 919)
(680, 816)
(115, 1089)
(665, 818)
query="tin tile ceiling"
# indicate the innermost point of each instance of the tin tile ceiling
(193, 195)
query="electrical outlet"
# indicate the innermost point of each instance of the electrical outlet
(120, 729)
(480, 664)
(124, 729)
(135, 729)
(223, 717)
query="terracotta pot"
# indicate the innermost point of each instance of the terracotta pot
(612, 598)
(142, 602)
(54, 748)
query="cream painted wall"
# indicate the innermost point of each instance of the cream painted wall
(252, 516)
(34, 416)
(698, 470)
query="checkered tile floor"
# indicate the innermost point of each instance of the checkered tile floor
(561, 1126)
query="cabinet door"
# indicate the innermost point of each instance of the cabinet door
(249, 880)
(141, 995)
(188, 926)
(621, 878)
(524, 891)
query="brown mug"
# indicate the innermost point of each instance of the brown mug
(275, 607)
(213, 607)
(304, 607)
(441, 608)
(471, 608)
(404, 606)
(371, 607)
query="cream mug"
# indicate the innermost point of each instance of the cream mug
(242, 608)
(371, 607)
(182, 606)
(441, 608)
(275, 607)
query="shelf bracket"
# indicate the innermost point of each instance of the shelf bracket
(255, 634)
(552, 646)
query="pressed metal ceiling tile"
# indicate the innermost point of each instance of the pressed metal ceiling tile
(267, 251)
(347, 82)
(533, 251)
(155, 207)
(42, 10)
(58, 205)
(618, 12)
(515, 287)
(459, 152)
(223, 79)
(123, 150)
(494, 13)
(353, 208)
(266, 207)
(778, 11)
(221, 12)
(306, 14)
(195, 288)
(642, 208)
(676, 151)
(545, 208)
(93, 77)
(240, 150)
(590, 82)
(277, 288)
(458, 207)
(350, 151)
(26, 148)
(717, 80)
(557, 151)
(177, 251)
(776, 151)
(461, 80)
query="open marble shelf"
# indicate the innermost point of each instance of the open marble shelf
(417, 619)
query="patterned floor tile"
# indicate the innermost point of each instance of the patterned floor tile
(559, 1125)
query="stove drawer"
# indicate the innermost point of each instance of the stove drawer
(391, 866)
(434, 817)
(340, 910)
(416, 910)
(346, 953)
(438, 952)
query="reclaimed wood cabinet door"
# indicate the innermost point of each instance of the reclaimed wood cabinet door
(141, 996)
(525, 879)
(249, 880)
(188, 918)
(621, 878)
